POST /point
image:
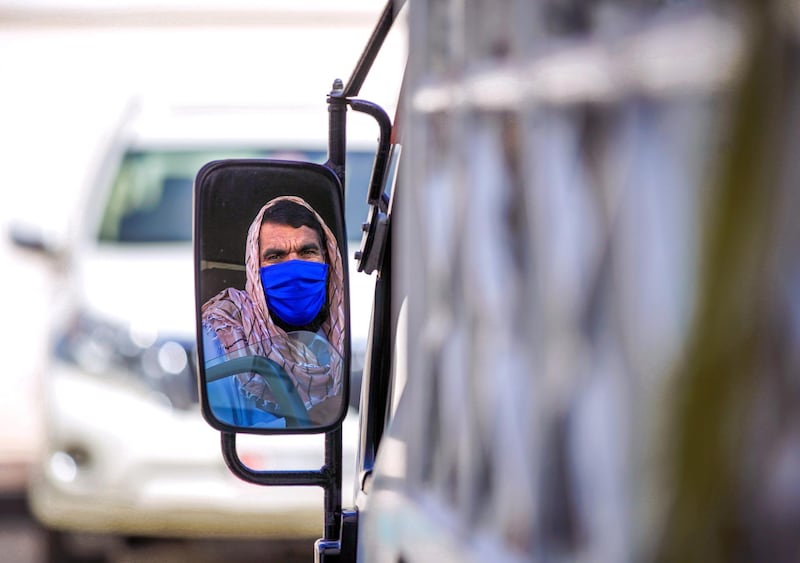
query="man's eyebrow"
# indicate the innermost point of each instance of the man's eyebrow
(311, 246)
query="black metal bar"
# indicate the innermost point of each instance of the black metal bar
(353, 86)
(337, 131)
(322, 477)
(333, 489)
(381, 154)
(337, 154)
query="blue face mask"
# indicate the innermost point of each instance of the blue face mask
(295, 290)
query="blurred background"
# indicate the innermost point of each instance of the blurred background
(91, 91)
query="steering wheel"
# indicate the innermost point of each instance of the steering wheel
(291, 405)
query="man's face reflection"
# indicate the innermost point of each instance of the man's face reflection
(279, 243)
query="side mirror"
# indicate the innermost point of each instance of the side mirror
(36, 239)
(272, 360)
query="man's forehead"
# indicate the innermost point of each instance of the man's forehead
(279, 233)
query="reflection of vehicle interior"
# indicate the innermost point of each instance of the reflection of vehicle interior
(290, 406)
(249, 362)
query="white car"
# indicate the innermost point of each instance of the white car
(126, 449)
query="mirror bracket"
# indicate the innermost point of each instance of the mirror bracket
(375, 195)
(326, 477)
(320, 477)
(373, 242)
(376, 227)
(337, 130)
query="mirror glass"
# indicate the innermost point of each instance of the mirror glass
(271, 287)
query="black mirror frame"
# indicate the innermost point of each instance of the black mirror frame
(318, 185)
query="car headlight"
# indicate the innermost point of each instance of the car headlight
(164, 364)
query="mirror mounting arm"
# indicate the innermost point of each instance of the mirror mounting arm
(375, 229)
(303, 478)
(325, 477)
(375, 196)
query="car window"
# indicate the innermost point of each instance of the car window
(151, 197)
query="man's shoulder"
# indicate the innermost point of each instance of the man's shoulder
(229, 302)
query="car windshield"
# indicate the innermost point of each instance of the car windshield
(151, 198)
